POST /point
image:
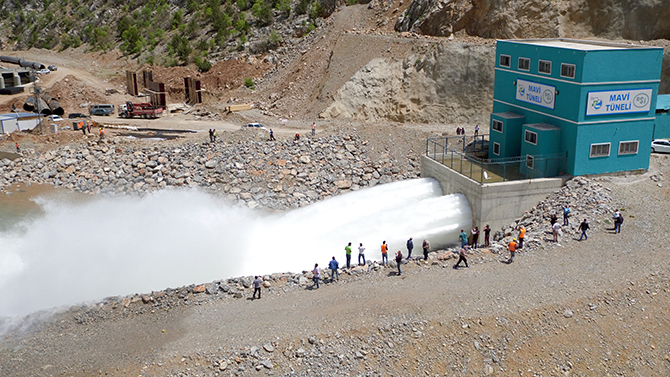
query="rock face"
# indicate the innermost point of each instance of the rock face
(539, 18)
(450, 82)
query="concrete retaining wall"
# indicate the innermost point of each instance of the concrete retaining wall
(496, 204)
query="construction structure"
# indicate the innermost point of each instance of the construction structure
(131, 83)
(193, 90)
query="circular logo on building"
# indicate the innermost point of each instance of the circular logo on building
(548, 96)
(641, 100)
(522, 91)
(596, 103)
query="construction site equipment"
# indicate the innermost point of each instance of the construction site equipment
(22, 62)
(233, 108)
(142, 110)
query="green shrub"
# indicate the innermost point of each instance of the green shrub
(301, 7)
(315, 10)
(249, 83)
(202, 63)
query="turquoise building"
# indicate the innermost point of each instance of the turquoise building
(593, 103)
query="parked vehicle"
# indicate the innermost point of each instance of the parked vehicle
(143, 110)
(257, 126)
(103, 109)
(52, 68)
(54, 118)
(660, 146)
(42, 71)
(78, 115)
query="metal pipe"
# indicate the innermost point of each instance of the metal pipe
(22, 62)
(53, 104)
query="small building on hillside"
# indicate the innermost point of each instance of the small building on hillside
(594, 103)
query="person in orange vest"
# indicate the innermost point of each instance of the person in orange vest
(102, 133)
(522, 235)
(314, 129)
(512, 250)
(297, 137)
(385, 257)
(18, 149)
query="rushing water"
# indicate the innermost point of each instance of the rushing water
(76, 251)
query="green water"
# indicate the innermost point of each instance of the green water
(17, 203)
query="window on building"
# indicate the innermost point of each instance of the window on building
(600, 150)
(530, 161)
(505, 60)
(496, 149)
(531, 137)
(497, 126)
(545, 67)
(524, 64)
(568, 70)
(628, 147)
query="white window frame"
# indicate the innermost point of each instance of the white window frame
(539, 66)
(629, 142)
(526, 138)
(509, 60)
(609, 149)
(496, 146)
(494, 122)
(525, 60)
(566, 65)
(530, 162)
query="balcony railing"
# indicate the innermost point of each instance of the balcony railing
(468, 155)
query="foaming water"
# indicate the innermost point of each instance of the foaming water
(77, 252)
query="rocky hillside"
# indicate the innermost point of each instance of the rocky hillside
(439, 82)
(617, 19)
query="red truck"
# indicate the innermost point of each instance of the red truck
(142, 110)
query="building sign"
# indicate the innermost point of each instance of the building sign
(537, 94)
(619, 102)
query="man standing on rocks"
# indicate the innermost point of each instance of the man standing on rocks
(385, 256)
(512, 250)
(272, 135)
(18, 149)
(475, 237)
(347, 249)
(314, 129)
(487, 233)
(584, 226)
(410, 246)
(464, 238)
(257, 287)
(554, 229)
(333, 265)
(522, 235)
(361, 254)
(461, 257)
(398, 261)
(426, 248)
(566, 213)
(316, 275)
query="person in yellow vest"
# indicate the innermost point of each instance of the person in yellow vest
(522, 235)
(102, 133)
(512, 250)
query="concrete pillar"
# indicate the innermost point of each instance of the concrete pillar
(17, 79)
(2, 82)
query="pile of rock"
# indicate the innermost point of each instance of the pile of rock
(586, 199)
(255, 172)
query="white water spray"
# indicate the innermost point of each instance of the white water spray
(119, 246)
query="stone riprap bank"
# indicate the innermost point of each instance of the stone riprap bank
(275, 175)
